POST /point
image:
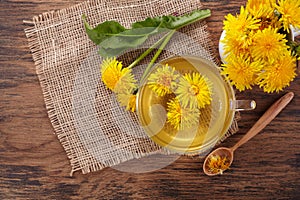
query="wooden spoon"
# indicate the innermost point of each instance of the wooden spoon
(267, 117)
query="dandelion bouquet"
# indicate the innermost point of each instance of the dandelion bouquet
(258, 48)
(191, 89)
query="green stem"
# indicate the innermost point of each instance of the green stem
(145, 53)
(158, 52)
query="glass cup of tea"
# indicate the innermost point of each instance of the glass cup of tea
(214, 119)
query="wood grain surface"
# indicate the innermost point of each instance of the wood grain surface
(33, 164)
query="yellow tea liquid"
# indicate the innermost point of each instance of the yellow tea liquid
(214, 119)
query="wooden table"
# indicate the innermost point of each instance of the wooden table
(33, 164)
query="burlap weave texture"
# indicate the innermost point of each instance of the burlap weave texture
(93, 129)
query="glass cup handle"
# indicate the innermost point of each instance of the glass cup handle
(241, 105)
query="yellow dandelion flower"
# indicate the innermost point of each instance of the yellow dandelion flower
(268, 43)
(290, 13)
(194, 91)
(181, 118)
(278, 73)
(115, 77)
(241, 72)
(241, 23)
(163, 80)
(237, 44)
(261, 8)
(128, 100)
(239, 32)
(271, 22)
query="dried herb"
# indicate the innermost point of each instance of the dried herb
(218, 164)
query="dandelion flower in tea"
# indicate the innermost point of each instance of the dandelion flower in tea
(163, 80)
(194, 90)
(181, 118)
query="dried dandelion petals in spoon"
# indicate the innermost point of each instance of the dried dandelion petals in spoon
(218, 164)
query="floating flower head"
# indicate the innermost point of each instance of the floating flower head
(242, 23)
(241, 71)
(277, 73)
(290, 13)
(268, 43)
(194, 90)
(181, 118)
(163, 80)
(115, 77)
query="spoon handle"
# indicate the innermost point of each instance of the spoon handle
(265, 119)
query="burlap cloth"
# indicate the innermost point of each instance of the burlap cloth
(92, 128)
